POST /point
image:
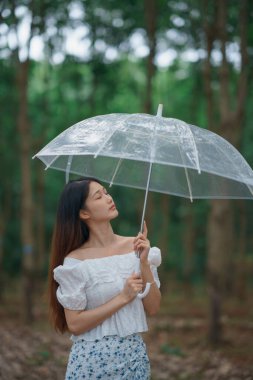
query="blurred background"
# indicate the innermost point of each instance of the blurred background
(63, 61)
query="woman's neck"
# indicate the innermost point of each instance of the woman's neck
(101, 235)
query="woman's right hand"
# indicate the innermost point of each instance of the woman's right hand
(132, 287)
(80, 321)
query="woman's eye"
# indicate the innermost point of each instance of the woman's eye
(99, 196)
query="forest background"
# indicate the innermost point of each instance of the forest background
(63, 61)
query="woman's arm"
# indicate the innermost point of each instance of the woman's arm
(152, 300)
(80, 321)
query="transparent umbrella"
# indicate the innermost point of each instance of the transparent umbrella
(151, 153)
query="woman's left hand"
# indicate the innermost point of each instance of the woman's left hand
(142, 244)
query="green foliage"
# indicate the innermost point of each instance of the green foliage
(60, 95)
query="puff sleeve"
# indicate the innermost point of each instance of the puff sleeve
(155, 259)
(71, 291)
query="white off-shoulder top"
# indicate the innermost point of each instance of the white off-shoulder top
(87, 284)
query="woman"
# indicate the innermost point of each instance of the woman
(93, 286)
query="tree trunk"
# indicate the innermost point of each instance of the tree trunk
(26, 192)
(2, 274)
(189, 248)
(240, 264)
(94, 62)
(220, 246)
(40, 184)
(41, 220)
(4, 219)
(210, 35)
(150, 18)
(221, 217)
(164, 236)
(240, 112)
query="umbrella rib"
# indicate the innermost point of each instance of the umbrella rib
(195, 148)
(248, 186)
(51, 162)
(186, 174)
(116, 170)
(70, 158)
(106, 141)
(117, 167)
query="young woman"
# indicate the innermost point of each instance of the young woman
(94, 286)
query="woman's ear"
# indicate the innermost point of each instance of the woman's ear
(84, 215)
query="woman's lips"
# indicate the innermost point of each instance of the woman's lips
(112, 207)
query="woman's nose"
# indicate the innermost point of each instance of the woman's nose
(109, 197)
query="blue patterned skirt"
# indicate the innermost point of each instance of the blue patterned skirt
(111, 357)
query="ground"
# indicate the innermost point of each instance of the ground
(176, 342)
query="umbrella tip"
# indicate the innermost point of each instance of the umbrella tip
(160, 110)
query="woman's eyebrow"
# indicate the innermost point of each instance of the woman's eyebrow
(97, 192)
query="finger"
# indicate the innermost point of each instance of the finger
(137, 286)
(145, 230)
(137, 237)
(142, 245)
(137, 290)
(137, 281)
(135, 275)
(140, 241)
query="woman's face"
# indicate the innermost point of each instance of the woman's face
(99, 205)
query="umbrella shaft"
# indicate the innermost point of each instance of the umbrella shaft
(146, 197)
(159, 114)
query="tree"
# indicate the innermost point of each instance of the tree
(35, 13)
(230, 111)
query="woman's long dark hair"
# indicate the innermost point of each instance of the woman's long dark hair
(70, 232)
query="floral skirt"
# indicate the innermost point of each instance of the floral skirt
(111, 357)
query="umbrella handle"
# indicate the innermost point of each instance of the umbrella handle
(148, 284)
(146, 291)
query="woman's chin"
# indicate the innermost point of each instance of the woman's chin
(114, 214)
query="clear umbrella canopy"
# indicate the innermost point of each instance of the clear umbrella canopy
(186, 160)
(151, 153)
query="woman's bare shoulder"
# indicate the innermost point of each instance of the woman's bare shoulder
(125, 238)
(81, 253)
(126, 243)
